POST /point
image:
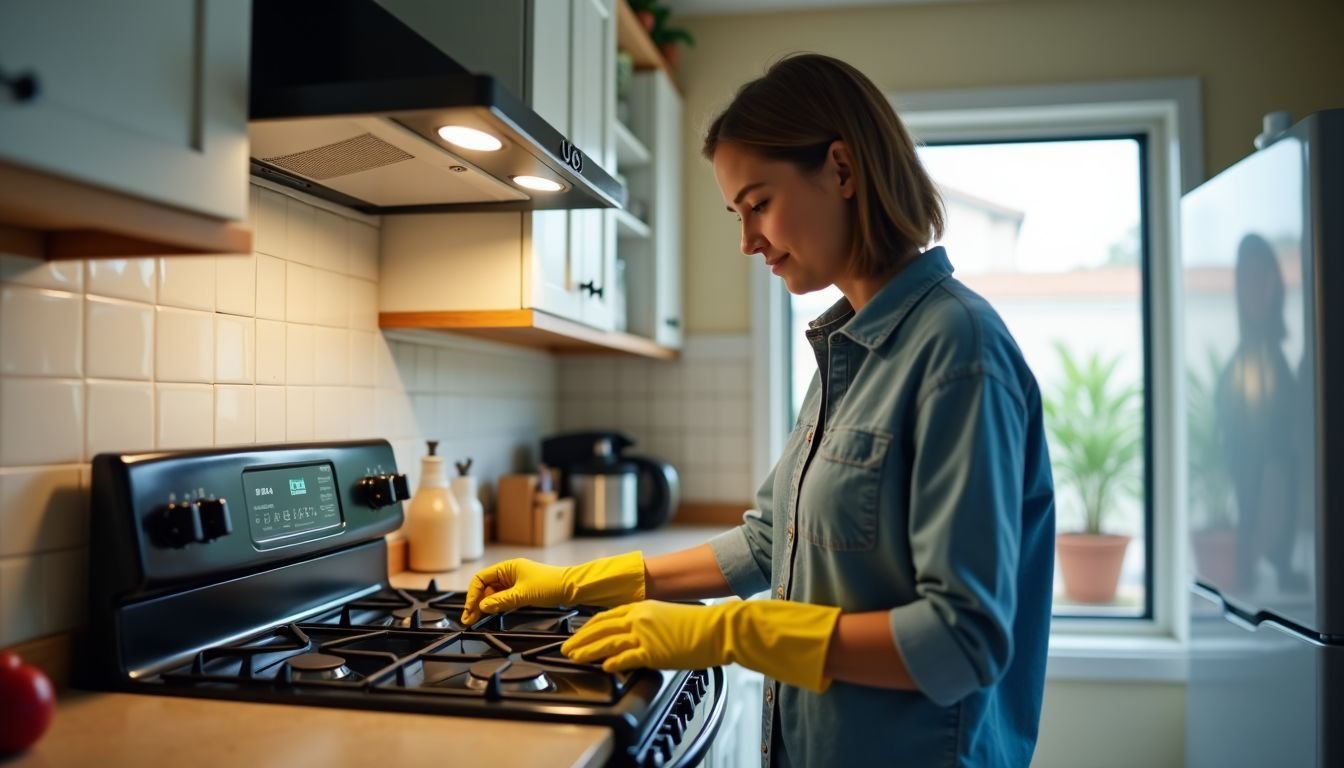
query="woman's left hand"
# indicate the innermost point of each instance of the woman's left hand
(654, 634)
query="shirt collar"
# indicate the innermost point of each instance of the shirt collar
(872, 325)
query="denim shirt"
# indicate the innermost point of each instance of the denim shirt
(916, 482)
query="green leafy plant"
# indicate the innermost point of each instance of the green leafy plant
(663, 34)
(1096, 435)
(1210, 486)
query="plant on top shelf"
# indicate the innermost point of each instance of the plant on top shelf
(1096, 447)
(644, 12)
(666, 37)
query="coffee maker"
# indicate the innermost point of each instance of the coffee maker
(613, 492)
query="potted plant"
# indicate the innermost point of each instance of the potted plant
(1213, 518)
(1096, 442)
(644, 12)
(666, 37)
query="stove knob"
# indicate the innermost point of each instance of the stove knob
(215, 520)
(175, 526)
(382, 490)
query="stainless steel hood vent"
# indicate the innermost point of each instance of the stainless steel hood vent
(347, 103)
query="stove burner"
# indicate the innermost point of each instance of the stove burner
(402, 617)
(514, 676)
(318, 666)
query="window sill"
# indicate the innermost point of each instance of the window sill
(1082, 658)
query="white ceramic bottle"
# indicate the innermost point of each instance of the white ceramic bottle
(473, 514)
(433, 519)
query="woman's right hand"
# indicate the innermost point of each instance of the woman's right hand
(607, 582)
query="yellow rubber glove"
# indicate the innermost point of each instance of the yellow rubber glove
(519, 582)
(782, 639)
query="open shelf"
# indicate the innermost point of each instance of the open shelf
(629, 226)
(631, 38)
(630, 151)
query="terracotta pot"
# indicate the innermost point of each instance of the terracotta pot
(1216, 556)
(671, 54)
(646, 20)
(1090, 565)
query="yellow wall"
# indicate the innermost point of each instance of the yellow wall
(1251, 57)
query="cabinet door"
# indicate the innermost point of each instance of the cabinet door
(146, 97)
(654, 265)
(667, 212)
(592, 112)
(555, 278)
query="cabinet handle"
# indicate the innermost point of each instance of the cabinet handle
(672, 322)
(591, 288)
(23, 86)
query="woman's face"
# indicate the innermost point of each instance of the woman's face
(799, 222)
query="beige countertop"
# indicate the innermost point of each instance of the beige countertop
(114, 729)
(111, 730)
(576, 550)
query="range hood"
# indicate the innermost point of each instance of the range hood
(348, 104)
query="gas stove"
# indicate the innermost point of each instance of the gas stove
(259, 574)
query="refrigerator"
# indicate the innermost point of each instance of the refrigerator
(1262, 317)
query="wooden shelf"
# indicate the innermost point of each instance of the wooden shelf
(629, 226)
(630, 151)
(50, 217)
(631, 38)
(528, 328)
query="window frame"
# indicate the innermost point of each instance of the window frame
(1167, 111)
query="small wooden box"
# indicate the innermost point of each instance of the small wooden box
(523, 516)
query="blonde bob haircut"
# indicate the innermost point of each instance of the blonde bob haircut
(795, 111)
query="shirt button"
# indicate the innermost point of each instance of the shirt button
(769, 695)
(779, 591)
(809, 435)
(764, 749)
(789, 532)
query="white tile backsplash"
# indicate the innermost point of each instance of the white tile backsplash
(299, 354)
(132, 279)
(236, 285)
(331, 356)
(184, 348)
(270, 414)
(186, 415)
(187, 283)
(298, 413)
(40, 331)
(61, 275)
(41, 509)
(270, 287)
(120, 418)
(692, 412)
(300, 291)
(235, 349)
(235, 414)
(163, 353)
(43, 421)
(118, 339)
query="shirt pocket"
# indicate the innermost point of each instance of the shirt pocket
(844, 487)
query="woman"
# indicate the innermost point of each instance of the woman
(905, 535)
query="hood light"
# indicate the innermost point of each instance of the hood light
(469, 138)
(537, 183)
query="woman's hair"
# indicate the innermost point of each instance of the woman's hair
(806, 101)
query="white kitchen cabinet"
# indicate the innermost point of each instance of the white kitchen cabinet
(557, 262)
(142, 97)
(653, 255)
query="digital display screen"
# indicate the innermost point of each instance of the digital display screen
(287, 501)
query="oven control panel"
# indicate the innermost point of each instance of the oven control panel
(194, 514)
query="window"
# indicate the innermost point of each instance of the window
(1061, 208)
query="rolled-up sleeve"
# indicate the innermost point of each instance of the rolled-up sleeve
(744, 553)
(965, 534)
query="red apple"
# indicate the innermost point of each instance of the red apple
(26, 704)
